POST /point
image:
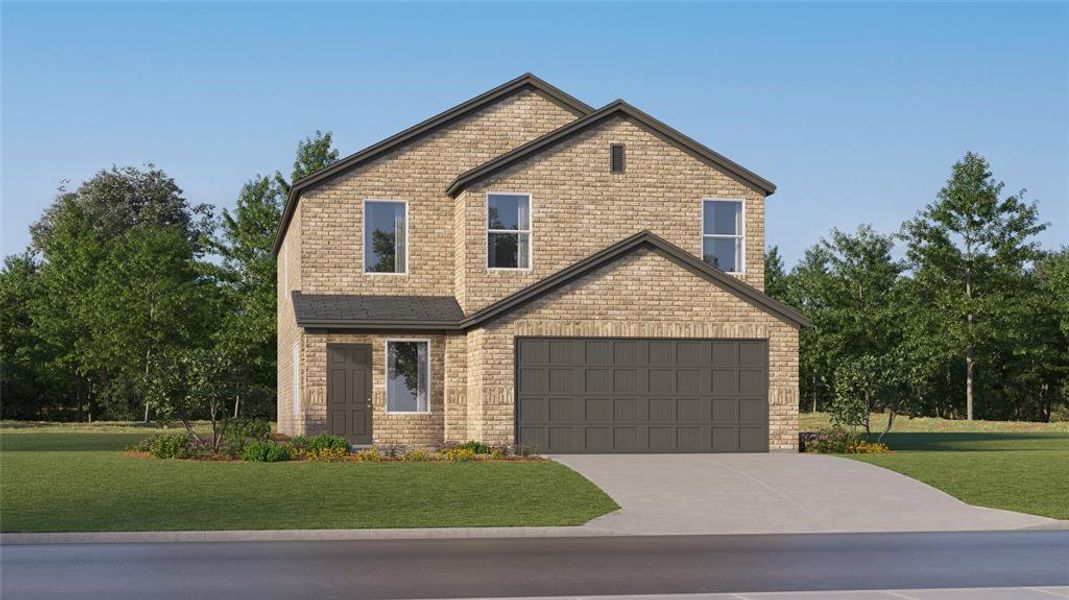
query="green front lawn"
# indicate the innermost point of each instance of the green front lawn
(1024, 472)
(75, 481)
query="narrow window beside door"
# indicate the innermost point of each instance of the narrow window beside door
(508, 231)
(407, 375)
(723, 235)
(385, 236)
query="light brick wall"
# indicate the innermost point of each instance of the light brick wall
(288, 331)
(579, 207)
(641, 295)
(419, 172)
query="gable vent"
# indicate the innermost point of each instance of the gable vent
(616, 160)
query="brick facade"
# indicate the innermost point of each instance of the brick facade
(578, 208)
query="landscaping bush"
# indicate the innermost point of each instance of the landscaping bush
(265, 451)
(417, 455)
(247, 429)
(368, 455)
(475, 447)
(171, 445)
(840, 441)
(457, 454)
(326, 441)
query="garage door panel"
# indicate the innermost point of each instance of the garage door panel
(725, 382)
(725, 410)
(752, 382)
(636, 395)
(598, 410)
(753, 354)
(533, 381)
(662, 409)
(562, 410)
(625, 381)
(598, 381)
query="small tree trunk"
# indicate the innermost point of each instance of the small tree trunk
(968, 381)
(237, 405)
(890, 421)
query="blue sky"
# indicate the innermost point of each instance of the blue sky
(855, 110)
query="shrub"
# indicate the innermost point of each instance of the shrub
(417, 455)
(457, 454)
(368, 455)
(475, 447)
(169, 445)
(326, 441)
(840, 441)
(298, 442)
(265, 451)
(247, 429)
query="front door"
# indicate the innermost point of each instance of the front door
(349, 391)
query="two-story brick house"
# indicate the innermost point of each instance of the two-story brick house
(525, 268)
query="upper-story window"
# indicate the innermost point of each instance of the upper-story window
(723, 234)
(385, 236)
(508, 231)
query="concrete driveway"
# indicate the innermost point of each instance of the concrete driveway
(675, 494)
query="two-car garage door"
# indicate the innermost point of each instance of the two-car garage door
(642, 395)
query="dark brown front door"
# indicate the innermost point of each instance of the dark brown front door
(349, 391)
(642, 395)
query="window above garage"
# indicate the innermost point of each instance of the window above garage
(724, 234)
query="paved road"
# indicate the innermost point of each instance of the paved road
(535, 567)
(677, 494)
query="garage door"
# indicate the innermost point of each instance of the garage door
(642, 395)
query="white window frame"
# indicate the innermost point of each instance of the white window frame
(741, 236)
(386, 376)
(363, 237)
(529, 231)
(296, 377)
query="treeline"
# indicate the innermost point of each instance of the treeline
(133, 303)
(958, 314)
(131, 298)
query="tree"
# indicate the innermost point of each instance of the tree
(869, 383)
(247, 282)
(150, 296)
(847, 286)
(313, 153)
(776, 279)
(247, 277)
(963, 250)
(115, 200)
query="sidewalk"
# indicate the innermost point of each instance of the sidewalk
(1017, 593)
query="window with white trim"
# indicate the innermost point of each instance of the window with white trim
(295, 375)
(723, 234)
(508, 231)
(407, 376)
(385, 236)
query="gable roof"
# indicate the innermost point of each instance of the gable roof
(438, 313)
(616, 108)
(523, 82)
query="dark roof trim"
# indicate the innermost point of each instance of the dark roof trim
(525, 81)
(615, 108)
(659, 244)
(569, 274)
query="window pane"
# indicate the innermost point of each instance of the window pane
(384, 237)
(508, 250)
(406, 377)
(507, 212)
(723, 253)
(722, 217)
